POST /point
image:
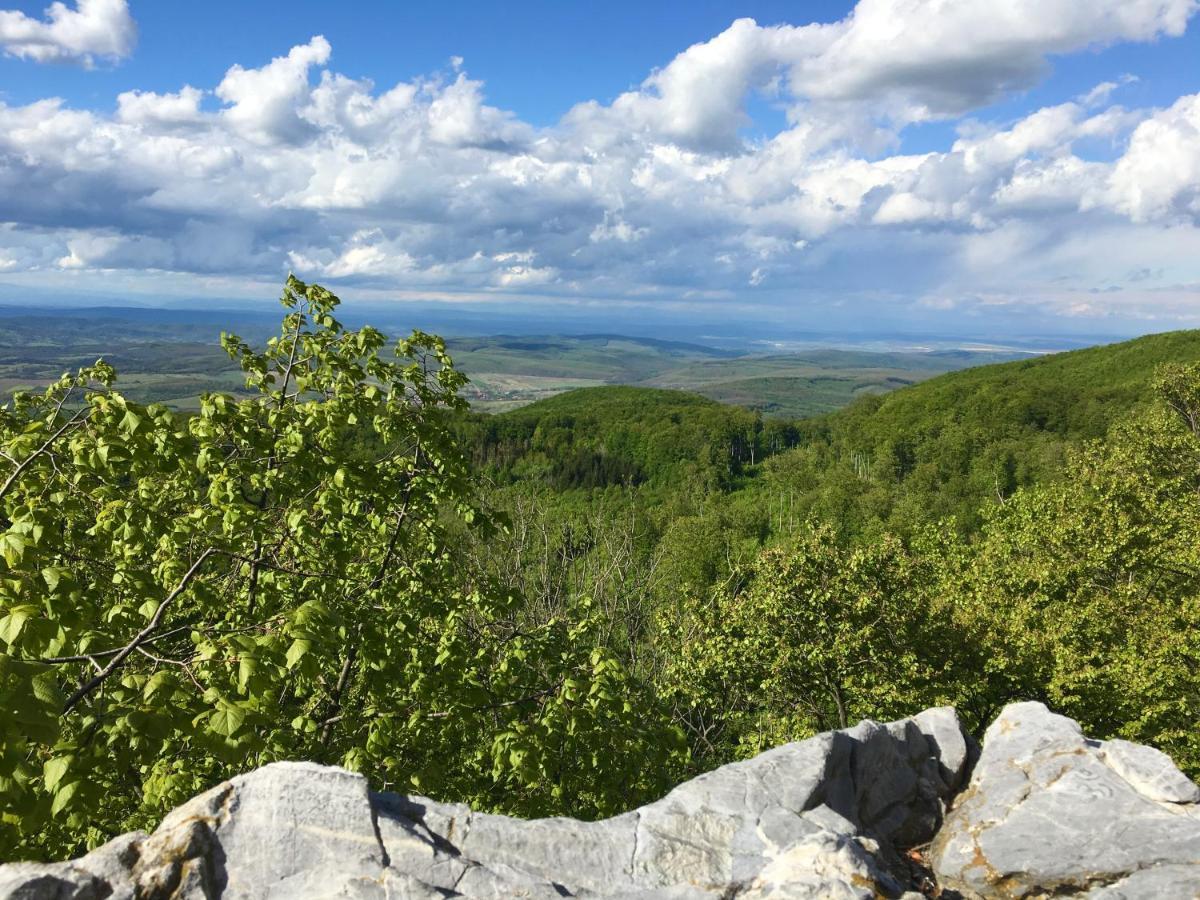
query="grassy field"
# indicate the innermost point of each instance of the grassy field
(174, 358)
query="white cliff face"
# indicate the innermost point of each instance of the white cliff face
(822, 818)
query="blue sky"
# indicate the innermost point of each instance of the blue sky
(537, 58)
(965, 166)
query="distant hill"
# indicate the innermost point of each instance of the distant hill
(940, 448)
(507, 372)
(594, 437)
(172, 356)
(1075, 393)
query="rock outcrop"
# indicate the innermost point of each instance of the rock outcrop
(1050, 812)
(818, 818)
(1045, 812)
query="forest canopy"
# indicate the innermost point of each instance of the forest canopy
(568, 608)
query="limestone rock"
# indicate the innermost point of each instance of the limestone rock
(1048, 811)
(1150, 771)
(818, 818)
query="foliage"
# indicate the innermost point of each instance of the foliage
(811, 637)
(183, 599)
(1086, 592)
(1019, 531)
(595, 437)
(958, 444)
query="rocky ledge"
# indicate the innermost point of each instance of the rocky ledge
(1046, 812)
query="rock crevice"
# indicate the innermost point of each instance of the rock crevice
(1045, 811)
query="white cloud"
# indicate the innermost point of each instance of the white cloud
(1100, 94)
(698, 98)
(1159, 175)
(147, 107)
(94, 29)
(614, 228)
(263, 103)
(424, 186)
(897, 60)
(945, 58)
(458, 117)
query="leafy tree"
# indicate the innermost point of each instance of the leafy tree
(812, 637)
(1086, 592)
(185, 598)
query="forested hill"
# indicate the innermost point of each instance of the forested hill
(1012, 531)
(1075, 393)
(941, 448)
(594, 437)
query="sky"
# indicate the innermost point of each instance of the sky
(950, 166)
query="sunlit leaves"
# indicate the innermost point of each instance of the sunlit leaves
(299, 647)
(227, 719)
(813, 636)
(1087, 592)
(186, 596)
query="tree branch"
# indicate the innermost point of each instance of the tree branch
(100, 654)
(140, 638)
(16, 473)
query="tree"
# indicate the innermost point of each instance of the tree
(182, 598)
(811, 637)
(1086, 591)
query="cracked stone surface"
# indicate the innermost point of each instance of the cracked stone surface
(1048, 812)
(818, 818)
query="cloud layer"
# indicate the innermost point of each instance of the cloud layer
(660, 195)
(94, 30)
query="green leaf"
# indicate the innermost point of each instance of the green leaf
(63, 797)
(299, 647)
(227, 719)
(158, 681)
(247, 666)
(54, 770)
(46, 689)
(131, 422)
(13, 547)
(11, 625)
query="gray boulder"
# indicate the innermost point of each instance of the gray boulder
(823, 818)
(1049, 812)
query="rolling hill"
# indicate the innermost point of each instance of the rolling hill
(172, 356)
(945, 447)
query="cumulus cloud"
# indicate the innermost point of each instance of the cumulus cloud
(424, 186)
(263, 102)
(945, 58)
(902, 61)
(93, 30)
(1159, 175)
(149, 108)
